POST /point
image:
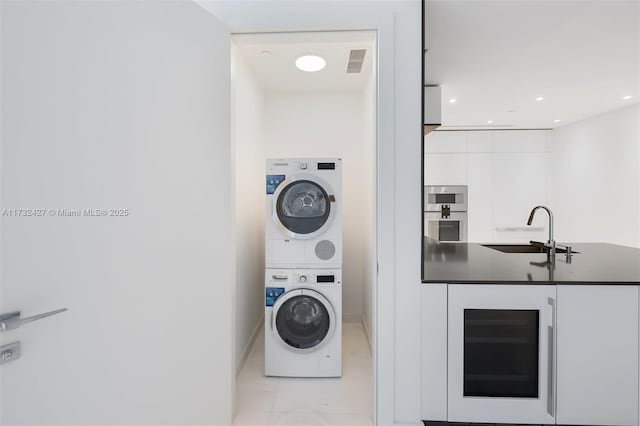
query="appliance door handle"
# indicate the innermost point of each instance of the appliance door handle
(280, 277)
(12, 320)
(551, 359)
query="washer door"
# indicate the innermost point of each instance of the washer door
(303, 208)
(303, 320)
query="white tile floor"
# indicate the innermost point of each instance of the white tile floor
(272, 401)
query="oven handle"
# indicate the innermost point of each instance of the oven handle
(551, 359)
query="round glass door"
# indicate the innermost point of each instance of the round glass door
(303, 207)
(303, 322)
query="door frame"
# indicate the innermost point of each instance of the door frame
(398, 25)
(375, 261)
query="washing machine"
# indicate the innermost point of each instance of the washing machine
(303, 226)
(303, 323)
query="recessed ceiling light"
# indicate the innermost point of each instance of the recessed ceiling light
(540, 98)
(490, 121)
(626, 97)
(310, 63)
(453, 100)
(556, 121)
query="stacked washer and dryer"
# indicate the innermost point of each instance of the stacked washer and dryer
(303, 277)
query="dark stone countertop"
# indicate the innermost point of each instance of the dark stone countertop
(596, 263)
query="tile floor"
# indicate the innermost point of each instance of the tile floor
(272, 401)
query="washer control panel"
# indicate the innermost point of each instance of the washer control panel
(316, 277)
(272, 294)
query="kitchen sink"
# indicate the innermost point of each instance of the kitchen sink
(523, 248)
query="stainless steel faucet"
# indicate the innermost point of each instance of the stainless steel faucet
(551, 243)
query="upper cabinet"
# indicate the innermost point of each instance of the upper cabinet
(432, 108)
(431, 94)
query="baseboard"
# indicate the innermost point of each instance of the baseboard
(440, 423)
(351, 318)
(366, 332)
(248, 346)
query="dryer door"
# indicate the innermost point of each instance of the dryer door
(303, 320)
(304, 207)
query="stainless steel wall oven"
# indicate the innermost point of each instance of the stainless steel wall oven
(445, 212)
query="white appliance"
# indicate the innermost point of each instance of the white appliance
(303, 322)
(303, 226)
(501, 363)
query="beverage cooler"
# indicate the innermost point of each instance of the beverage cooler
(501, 345)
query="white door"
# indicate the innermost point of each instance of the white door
(501, 353)
(115, 122)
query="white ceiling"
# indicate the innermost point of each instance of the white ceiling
(495, 57)
(277, 71)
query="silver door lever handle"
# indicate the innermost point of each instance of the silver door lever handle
(12, 320)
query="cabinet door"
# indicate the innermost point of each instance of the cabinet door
(433, 352)
(597, 378)
(480, 197)
(519, 183)
(445, 169)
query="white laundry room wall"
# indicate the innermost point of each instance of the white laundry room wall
(596, 178)
(249, 170)
(332, 124)
(369, 199)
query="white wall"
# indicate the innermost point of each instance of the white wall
(324, 124)
(596, 178)
(117, 105)
(249, 164)
(507, 173)
(369, 199)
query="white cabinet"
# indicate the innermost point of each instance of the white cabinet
(432, 106)
(519, 184)
(445, 169)
(433, 352)
(445, 142)
(480, 197)
(597, 358)
(507, 173)
(586, 359)
(520, 141)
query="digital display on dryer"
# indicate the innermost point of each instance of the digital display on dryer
(326, 166)
(326, 279)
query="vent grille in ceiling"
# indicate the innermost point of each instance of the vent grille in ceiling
(356, 58)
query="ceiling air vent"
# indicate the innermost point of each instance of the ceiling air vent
(356, 58)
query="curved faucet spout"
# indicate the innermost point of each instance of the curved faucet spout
(551, 243)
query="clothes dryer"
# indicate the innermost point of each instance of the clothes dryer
(303, 227)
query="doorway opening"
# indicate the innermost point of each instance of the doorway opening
(283, 109)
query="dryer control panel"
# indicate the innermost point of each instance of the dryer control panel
(273, 181)
(316, 277)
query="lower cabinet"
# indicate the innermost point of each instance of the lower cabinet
(597, 357)
(540, 354)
